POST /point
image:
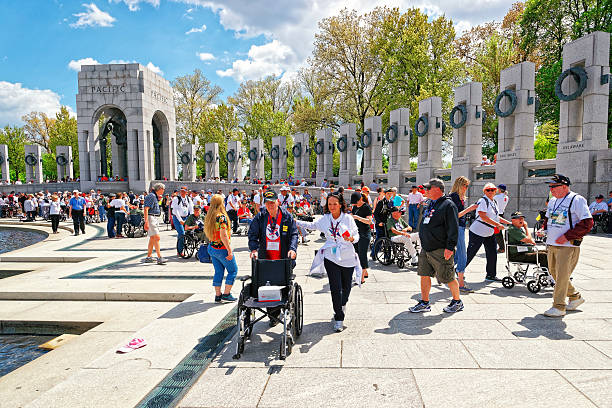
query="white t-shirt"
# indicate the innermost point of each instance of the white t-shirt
(119, 204)
(257, 198)
(323, 198)
(558, 216)
(595, 206)
(415, 198)
(233, 199)
(502, 201)
(55, 207)
(285, 202)
(197, 200)
(181, 207)
(479, 227)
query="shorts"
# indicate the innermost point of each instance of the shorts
(153, 225)
(432, 264)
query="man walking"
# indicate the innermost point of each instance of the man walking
(414, 200)
(438, 232)
(568, 219)
(151, 222)
(231, 206)
(77, 206)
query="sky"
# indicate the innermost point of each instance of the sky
(44, 42)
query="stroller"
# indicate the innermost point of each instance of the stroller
(290, 307)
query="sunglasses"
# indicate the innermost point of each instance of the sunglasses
(490, 189)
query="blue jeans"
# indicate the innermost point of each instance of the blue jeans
(413, 215)
(120, 219)
(221, 264)
(460, 253)
(110, 227)
(180, 230)
(102, 213)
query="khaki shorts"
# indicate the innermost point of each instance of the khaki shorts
(433, 264)
(153, 225)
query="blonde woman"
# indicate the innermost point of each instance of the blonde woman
(217, 229)
(457, 195)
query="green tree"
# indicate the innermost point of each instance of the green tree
(64, 133)
(37, 126)
(218, 125)
(15, 138)
(546, 141)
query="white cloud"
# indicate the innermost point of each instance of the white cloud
(93, 17)
(206, 56)
(196, 29)
(134, 5)
(75, 65)
(272, 58)
(16, 101)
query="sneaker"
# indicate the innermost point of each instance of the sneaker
(228, 298)
(415, 261)
(492, 279)
(466, 289)
(217, 298)
(554, 312)
(421, 307)
(338, 326)
(149, 259)
(161, 261)
(454, 306)
(573, 304)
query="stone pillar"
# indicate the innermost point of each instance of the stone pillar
(63, 159)
(4, 164)
(466, 120)
(348, 157)
(256, 159)
(301, 163)
(211, 160)
(234, 168)
(515, 130)
(429, 125)
(583, 121)
(189, 161)
(33, 163)
(372, 155)
(278, 153)
(324, 149)
(399, 150)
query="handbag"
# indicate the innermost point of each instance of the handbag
(203, 255)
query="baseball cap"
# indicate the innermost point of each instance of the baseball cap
(270, 195)
(517, 214)
(197, 207)
(235, 189)
(394, 209)
(502, 187)
(389, 190)
(599, 196)
(413, 187)
(355, 197)
(559, 179)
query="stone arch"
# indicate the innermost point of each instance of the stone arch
(160, 140)
(113, 130)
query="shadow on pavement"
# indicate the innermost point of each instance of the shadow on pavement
(188, 308)
(552, 328)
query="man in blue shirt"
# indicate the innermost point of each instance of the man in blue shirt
(77, 206)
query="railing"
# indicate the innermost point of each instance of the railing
(485, 172)
(540, 168)
(443, 174)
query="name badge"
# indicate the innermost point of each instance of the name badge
(285, 228)
(522, 249)
(273, 246)
(426, 220)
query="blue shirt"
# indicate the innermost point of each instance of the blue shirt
(152, 202)
(77, 203)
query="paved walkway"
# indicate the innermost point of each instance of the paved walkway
(499, 352)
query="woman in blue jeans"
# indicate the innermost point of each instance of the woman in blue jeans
(457, 195)
(217, 229)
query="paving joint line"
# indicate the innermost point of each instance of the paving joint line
(470, 353)
(264, 390)
(576, 388)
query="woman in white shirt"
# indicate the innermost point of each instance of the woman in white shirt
(55, 207)
(120, 213)
(338, 252)
(487, 223)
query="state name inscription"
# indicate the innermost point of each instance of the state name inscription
(108, 88)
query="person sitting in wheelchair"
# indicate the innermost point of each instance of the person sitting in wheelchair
(273, 235)
(195, 223)
(599, 209)
(244, 214)
(521, 245)
(399, 232)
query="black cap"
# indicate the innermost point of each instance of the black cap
(394, 209)
(355, 197)
(599, 196)
(270, 195)
(517, 214)
(413, 187)
(235, 189)
(559, 179)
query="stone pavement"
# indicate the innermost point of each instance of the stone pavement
(500, 351)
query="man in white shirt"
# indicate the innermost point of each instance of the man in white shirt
(231, 206)
(181, 207)
(501, 199)
(285, 200)
(257, 200)
(414, 201)
(598, 206)
(322, 199)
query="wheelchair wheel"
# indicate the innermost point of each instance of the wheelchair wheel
(384, 253)
(128, 230)
(533, 286)
(519, 276)
(298, 317)
(401, 263)
(508, 282)
(543, 280)
(188, 248)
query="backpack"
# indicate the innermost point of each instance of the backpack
(203, 255)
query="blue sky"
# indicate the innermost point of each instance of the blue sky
(45, 41)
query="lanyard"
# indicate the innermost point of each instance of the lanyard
(273, 225)
(561, 202)
(334, 229)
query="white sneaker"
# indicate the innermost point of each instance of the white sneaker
(554, 312)
(573, 304)
(338, 326)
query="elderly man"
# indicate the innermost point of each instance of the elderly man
(286, 200)
(151, 222)
(195, 223)
(414, 200)
(77, 207)
(521, 245)
(181, 206)
(438, 233)
(399, 231)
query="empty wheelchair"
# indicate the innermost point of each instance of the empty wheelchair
(288, 311)
(534, 276)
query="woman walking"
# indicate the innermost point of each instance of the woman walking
(482, 229)
(362, 214)
(217, 229)
(337, 254)
(54, 212)
(458, 194)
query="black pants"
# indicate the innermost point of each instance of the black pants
(474, 244)
(233, 215)
(78, 221)
(340, 283)
(54, 221)
(362, 247)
